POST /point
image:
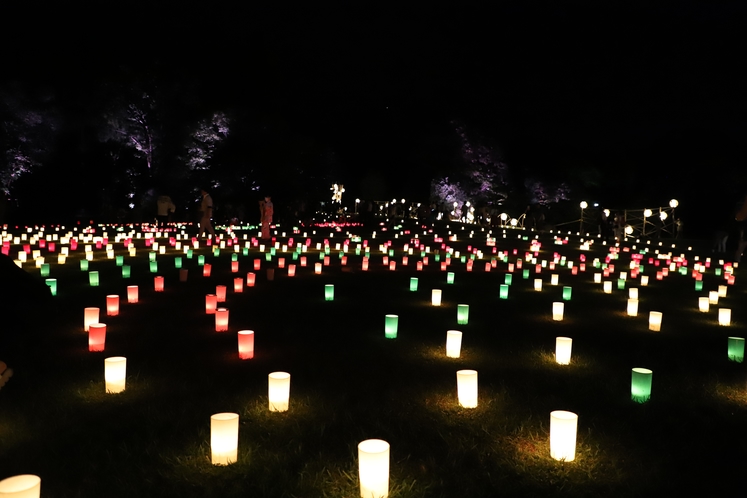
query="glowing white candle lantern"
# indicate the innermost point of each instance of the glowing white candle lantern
(278, 386)
(21, 486)
(90, 315)
(607, 287)
(112, 305)
(563, 427)
(318, 268)
(221, 320)
(632, 307)
(246, 344)
(557, 311)
(563, 346)
(724, 316)
(453, 343)
(96, 337)
(722, 291)
(115, 373)
(132, 294)
(436, 297)
(703, 304)
(373, 468)
(211, 303)
(713, 297)
(554, 279)
(654, 321)
(644, 280)
(538, 284)
(597, 278)
(467, 388)
(224, 438)
(633, 292)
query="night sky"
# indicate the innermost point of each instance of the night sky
(650, 95)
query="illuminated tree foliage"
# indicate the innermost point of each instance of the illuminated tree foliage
(134, 125)
(206, 136)
(26, 134)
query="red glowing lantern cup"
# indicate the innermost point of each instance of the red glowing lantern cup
(246, 344)
(234, 266)
(220, 292)
(238, 285)
(392, 265)
(303, 260)
(211, 303)
(206, 269)
(281, 262)
(257, 264)
(112, 305)
(221, 320)
(158, 284)
(132, 293)
(291, 270)
(419, 266)
(250, 278)
(96, 337)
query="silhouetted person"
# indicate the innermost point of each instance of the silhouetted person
(206, 208)
(165, 208)
(266, 210)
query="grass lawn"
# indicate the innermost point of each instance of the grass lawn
(349, 383)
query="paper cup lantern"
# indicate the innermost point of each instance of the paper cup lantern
(450, 277)
(563, 346)
(90, 315)
(158, 283)
(654, 321)
(373, 468)
(52, 284)
(246, 344)
(112, 305)
(538, 284)
(250, 279)
(318, 268)
(453, 343)
(126, 272)
(462, 314)
(206, 269)
(154, 266)
(115, 373)
(258, 264)
(238, 285)
(183, 275)
(508, 279)
(644, 280)
(21, 486)
(211, 303)
(563, 427)
(83, 263)
(633, 292)
(224, 438)
(96, 337)
(597, 278)
(291, 270)
(713, 297)
(436, 297)
(220, 293)
(703, 304)
(329, 292)
(234, 266)
(467, 388)
(567, 291)
(724, 316)
(390, 326)
(722, 291)
(640, 385)
(736, 349)
(503, 291)
(632, 307)
(279, 391)
(132, 294)
(221, 320)
(413, 284)
(557, 311)
(554, 279)
(607, 287)
(93, 278)
(178, 262)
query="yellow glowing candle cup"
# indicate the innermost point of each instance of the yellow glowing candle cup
(563, 427)
(115, 374)
(373, 468)
(21, 486)
(453, 343)
(224, 438)
(278, 391)
(467, 388)
(563, 346)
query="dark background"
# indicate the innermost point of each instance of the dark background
(635, 104)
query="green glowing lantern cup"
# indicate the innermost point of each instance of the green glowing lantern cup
(178, 262)
(508, 279)
(390, 326)
(119, 260)
(329, 292)
(736, 349)
(234, 257)
(125, 271)
(190, 253)
(268, 256)
(718, 272)
(152, 256)
(44, 269)
(463, 259)
(413, 284)
(437, 257)
(272, 251)
(567, 293)
(83, 265)
(52, 283)
(450, 277)
(216, 252)
(154, 266)
(640, 385)
(525, 274)
(93, 278)
(503, 291)
(621, 284)
(698, 285)
(201, 260)
(462, 314)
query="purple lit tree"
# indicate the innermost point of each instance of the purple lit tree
(203, 140)
(134, 125)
